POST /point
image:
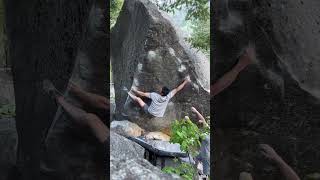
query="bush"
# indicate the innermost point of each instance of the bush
(189, 136)
(185, 170)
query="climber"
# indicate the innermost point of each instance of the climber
(204, 155)
(286, 171)
(227, 79)
(160, 100)
(80, 116)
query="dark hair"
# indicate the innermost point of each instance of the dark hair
(165, 91)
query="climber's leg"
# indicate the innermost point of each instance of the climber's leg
(98, 128)
(81, 117)
(137, 99)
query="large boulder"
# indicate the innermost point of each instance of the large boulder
(147, 52)
(277, 96)
(135, 168)
(127, 162)
(123, 147)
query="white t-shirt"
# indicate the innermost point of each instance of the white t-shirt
(159, 104)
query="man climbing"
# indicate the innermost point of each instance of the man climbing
(160, 100)
(204, 155)
(228, 78)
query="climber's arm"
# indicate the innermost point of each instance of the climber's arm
(227, 79)
(285, 169)
(181, 86)
(200, 118)
(141, 94)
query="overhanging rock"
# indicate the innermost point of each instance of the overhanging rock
(147, 52)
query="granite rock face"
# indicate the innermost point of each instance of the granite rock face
(126, 161)
(126, 128)
(147, 52)
(139, 169)
(123, 147)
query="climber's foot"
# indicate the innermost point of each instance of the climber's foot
(132, 96)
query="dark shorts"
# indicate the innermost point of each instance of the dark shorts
(145, 109)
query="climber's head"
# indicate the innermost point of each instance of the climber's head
(165, 91)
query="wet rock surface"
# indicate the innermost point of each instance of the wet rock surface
(147, 52)
(277, 96)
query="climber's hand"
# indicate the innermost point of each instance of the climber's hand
(187, 79)
(249, 55)
(269, 152)
(134, 89)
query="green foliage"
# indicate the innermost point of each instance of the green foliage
(196, 9)
(185, 170)
(7, 111)
(115, 8)
(198, 13)
(206, 129)
(200, 37)
(188, 135)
